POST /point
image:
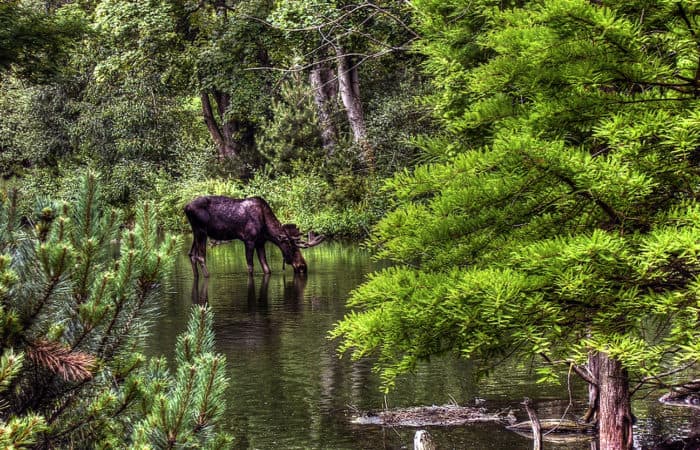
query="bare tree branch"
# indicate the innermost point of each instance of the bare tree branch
(658, 377)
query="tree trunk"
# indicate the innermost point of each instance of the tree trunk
(324, 88)
(593, 391)
(349, 84)
(229, 128)
(223, 132)
(614, 406)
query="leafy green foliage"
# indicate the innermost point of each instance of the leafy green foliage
(140, 39)
(345, 206)
(76, 297)
(35, 45)
(231, 51)
(36, 127)
(127, 102)
(118, 108)
(558, 216)
(395, 116)
(133, 125)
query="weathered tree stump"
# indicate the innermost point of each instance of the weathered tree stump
(423, 441)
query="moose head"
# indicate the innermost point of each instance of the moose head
(291, 243)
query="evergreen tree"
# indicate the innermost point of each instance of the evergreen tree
(559, 217)
(291, 140)
(74, 308)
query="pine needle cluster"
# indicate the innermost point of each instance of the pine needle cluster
(77, 293)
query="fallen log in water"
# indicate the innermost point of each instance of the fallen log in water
(687, 395)
(421, 416)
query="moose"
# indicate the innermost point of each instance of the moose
(250, 220)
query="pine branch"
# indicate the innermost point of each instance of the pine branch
(685, 18)
(65, 400)
(21, 432)
(609, 210)
(97, 297)
(108, 348)
(51, 270)
(211, 393)
(185, 397)
(122, 295)
(10, 367)
(59, 359)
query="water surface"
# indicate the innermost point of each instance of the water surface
(288, 388)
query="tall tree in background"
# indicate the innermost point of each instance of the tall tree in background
(230, 45)
(212, 50)
(560, 219)
(333, 40)
(290, 139)
(322, 82)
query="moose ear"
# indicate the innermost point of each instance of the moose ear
(291, 230)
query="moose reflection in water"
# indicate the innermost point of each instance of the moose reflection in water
(293, 292)
(250, 220)
(200, 294)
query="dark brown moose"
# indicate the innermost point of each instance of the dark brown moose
(250, 220)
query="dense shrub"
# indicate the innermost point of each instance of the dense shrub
(343, 207)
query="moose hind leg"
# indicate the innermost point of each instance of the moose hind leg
(198, 254)
(193, 257)
(202, 258)
(203, 264)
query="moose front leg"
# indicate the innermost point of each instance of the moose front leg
(249, 249)
(260, 248)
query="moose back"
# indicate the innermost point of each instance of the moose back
(250, 220)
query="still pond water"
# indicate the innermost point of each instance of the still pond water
(288, 388)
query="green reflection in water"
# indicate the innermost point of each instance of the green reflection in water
(290, 390)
